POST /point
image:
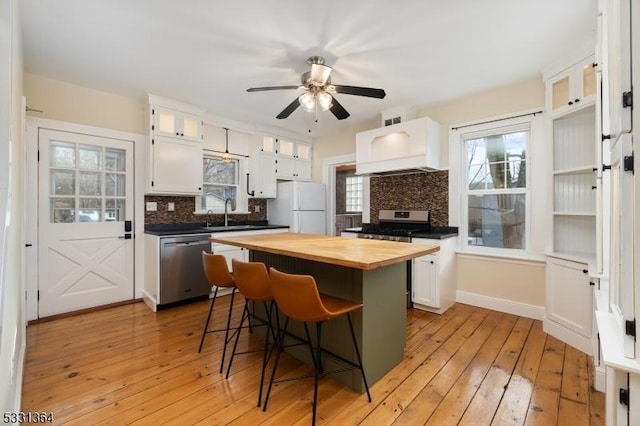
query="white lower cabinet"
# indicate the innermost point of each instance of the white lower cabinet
(433, 277)
(569, 310)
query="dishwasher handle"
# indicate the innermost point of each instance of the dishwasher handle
(186, 243)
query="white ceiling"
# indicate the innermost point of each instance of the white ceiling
(208, 52)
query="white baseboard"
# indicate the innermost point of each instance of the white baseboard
(567, 336)
(501, 305)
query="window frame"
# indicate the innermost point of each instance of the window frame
(479, 131)
(242, 203)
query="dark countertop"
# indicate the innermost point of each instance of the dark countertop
(437, 232)
(168, 229)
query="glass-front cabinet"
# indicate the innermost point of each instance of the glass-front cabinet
(572, 87)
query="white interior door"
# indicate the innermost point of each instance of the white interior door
(85, 220)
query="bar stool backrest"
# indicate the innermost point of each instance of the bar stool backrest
(297, 296)
(216, 270)
(252, 280)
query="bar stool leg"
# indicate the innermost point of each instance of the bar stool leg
(266, 354)
(275, 364)
(226, 333)
(245, 314)
(317, 368)
(355, 344)
(206, 325)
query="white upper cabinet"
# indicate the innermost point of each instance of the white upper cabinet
(174, 151)
(572, 87)
(215, 140)
(292, 157)
(177, 124)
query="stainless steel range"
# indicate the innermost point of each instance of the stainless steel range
(398, 225)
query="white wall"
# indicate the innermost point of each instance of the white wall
(12, 332)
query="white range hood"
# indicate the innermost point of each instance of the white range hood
(406, 147)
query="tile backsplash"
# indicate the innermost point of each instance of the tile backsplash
(185, 206)
(418, 191)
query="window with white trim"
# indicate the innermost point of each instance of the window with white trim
(221, 181)
(354, 194)
(495, 201)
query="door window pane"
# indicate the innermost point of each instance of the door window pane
(89, 157)
(62, 154)
(62, 182)
(114, 210)
(114, 160)
(63, 210)
(90, 209)
(89, 183)
(114, 185)
(166, 122)
(190, 127)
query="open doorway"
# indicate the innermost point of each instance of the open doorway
(349, 197)
(347, 194)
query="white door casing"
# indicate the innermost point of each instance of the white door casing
(85, 186)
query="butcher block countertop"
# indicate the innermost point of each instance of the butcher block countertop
(350, 252)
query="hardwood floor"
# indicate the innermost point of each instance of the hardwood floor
(470, 366)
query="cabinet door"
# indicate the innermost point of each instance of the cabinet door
(286, 168)
(303, 151)
(286, 148)
(168, 122)
(230, 252)
(572, 87)
(424, 284)
(569, 295)
(176, 167)
(264, 181)
(302, 170)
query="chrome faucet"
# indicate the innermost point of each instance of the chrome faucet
(226, 214)
(209, 213)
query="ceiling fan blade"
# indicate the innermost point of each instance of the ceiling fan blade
(320, 73)
(338, 110)
(289, 109)
(261, 89)
(360, 91)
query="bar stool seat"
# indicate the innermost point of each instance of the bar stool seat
(218, 275)
(253, 282)
(298, 298)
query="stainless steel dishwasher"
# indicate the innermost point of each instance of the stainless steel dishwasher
(181, 272)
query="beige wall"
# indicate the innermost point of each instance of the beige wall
(512, 281)
(76, 104)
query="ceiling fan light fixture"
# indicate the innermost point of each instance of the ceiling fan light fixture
(308, 101)
(325, 100)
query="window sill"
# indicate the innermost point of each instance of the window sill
(524, 258)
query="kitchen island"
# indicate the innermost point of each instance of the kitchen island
(369, 271)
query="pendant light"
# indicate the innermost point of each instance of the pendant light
(226, 157)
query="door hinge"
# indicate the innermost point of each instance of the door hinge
(624, 397)
(627, 99)
(153, 141)
(153, 111)
(38, 155)
(151, 183)
(606, 167)
(605, 137)
(38, 295)
(153, 127)
(628, 163)
(630, 328)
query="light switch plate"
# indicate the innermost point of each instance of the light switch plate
(257, 209)
(171, 206)
(152, 206)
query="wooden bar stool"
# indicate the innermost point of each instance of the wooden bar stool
(252, 281)
(298, 298)
(218, 275)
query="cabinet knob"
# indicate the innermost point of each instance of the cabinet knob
(177, 134)
(431, 262)
(577, 100)
(594, 187)
(570, 103)
(585, 271)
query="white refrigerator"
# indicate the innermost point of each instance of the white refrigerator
(299, 205)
